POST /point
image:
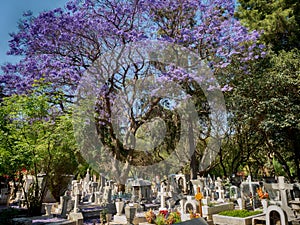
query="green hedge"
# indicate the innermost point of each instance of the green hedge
(240, 213)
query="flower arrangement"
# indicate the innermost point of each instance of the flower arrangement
(164, 212)
(193, 215)
(150, 216)
(160, 220)
(174, 217)
(163, 217)
(261, 194)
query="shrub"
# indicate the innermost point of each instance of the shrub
(239, 213)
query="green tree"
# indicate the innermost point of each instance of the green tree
(264, 106)
(35, 136)
(267, 96)
(278, 19)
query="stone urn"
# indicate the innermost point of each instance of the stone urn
(48, 208)
(130, 212)
(119, 207)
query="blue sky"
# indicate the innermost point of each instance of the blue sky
(11, 12)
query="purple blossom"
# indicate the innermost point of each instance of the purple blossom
(59, 45)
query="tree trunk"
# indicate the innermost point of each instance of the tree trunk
(192, 150)
(222, 164)
(193, 167)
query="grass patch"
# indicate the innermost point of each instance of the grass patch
(240, 213)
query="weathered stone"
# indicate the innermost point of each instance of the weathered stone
(77, 217)
(139, 220)
(130, 212)
(209, 211)
(224, 220)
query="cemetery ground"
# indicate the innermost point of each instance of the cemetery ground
(175, 199)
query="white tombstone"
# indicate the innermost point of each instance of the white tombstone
(220, 194)
(233, 192)
(241, 203)
(182, 201)
(163, 194)
(76, 194)
(191, 203)
(198, 183)
(249, 180)
(282, 188)
(206, 200)
(219, 190)
(277, 209)
(107, 195)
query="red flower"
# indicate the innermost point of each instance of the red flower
(163, 212)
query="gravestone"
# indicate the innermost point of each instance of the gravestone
(274, 209)
(233, 192)
(163, 194)
(196, 184)
(4, 194)
(248, 193)
(76, 196)
(76, 217)
(66, 199)
(219, 190)
(282, 188)
(141, 189)
(181, 183)
(191, 205)
(130, 211)
(107, 195)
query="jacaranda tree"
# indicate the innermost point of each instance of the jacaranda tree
(58, 46)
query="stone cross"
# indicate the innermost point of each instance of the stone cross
(220, 194)
(283, 187)
(163, 194)
(199, 198)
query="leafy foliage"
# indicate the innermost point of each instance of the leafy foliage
(279, 21)
(36, 139)
(240, 213)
